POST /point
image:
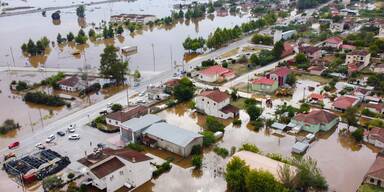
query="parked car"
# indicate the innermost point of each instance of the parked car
(74, 137)
(13, 145)
(40, 146)
(61, 133)
(50, 139)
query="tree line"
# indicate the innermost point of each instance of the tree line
(37, 48)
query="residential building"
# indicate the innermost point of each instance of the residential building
(312, 52)
(116, 118)
(360, 58)
(337, 27)
(361, 93)
(261, 162)
(351, 12)
(375, 136)
(280, 35)
(170, 85)
(112, 170)
(374, 107)
(316, 69)
(279, 74)
(288, 49)
(342, 103)
(71, 84)
(333, 42)
(264, 84)
(171, 138)
(131, 130)
(347, 48)
(315, 98)
(216, 73)
(375, 174)
(316, 120)
(222, 12)
(134, 18)
(379, 68)
(216, 103)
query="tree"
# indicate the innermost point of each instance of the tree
(262, 181)
(213, 124)
(120, 30)
(309, 175)
(137, 75)
(59, 39)
(80, 11)
(52, 182)
(255, 59)
(358, 134)
(116, 107)
(235, 174)
(350, 116)
(291, 79)
(208, 138)
(197, 161)
(234, 94)
(92, 33)
(262, 39)
(278, 49)
(184, 90)
(111, 67)
(254, 112)
(286, 175)
(302, 61)
(304, 108)
(70, 36)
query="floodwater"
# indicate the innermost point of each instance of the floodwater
(342, 161)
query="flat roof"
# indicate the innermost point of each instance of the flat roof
(137, 124)
(279, 126)
(300, 146)
(172, 133)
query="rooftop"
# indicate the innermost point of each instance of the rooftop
(215, 70)
(127, 114)
(70, 81)
(281, 71)
(359, 53)
(334, 40)
(309, 49)
(263, 81)
(316, 117)
(215, 95)
(140, 123)
(377, 168)
(344, 102)
(107, 167)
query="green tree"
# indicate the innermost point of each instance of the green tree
(304, 108)
(278, 49)
(262, 181)
(254, 112)
(350, 116)
(302, 61)
(309, 175)
(235, 175)
(116, 107)
(255, 59)
(213, 124)
(111, 67)
(59, 38)
(197, 161)
(286, 174)
(208, 138)
(184, 90)
(92, 33)
(70, 36)
(137, 75)
(120, 30)
(80, 11)
(291, 79)
(358, 134)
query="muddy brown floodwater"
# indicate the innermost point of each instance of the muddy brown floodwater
(342, 161)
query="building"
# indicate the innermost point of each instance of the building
(342, 103)
(279, 74)
(259, 162)
(375, 174)
(216, 73)
(170, 85)
(216, 103)
(337, 27)
(374, 107)
(333, 42)
(131, 130)
(316, 98)
(264, 84)
(316, 69)
(71, 84)
(316, 120)
(349, 12)
(300, 147)
(288, 49)
(113, 170)
(361, 93)
(312, 52)
(280, 35)
(171, 138)
(379, 68)
(347, 48)
(116, 118)
(360, 58)
(375, 136)
(134, 18)
(222, 12)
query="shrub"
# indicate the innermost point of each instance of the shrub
(44, 99)
(93, 88)
(116, 107)
(250, 147)
(358, 134)
(258, 123)
(8, 125)
(208, 138)
(208, 63)
(223, 152)
(136, 147)
(21, 86)
(213, 124)
(171, 103)
(70, 176)
(52, 81)
(196, 149)
(237, 122)
(277, 157)
(197, 161)
(166, 166)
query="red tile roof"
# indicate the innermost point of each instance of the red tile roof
(215, 70)
(230, 109)
(316, 96)
(281, 71)
(377, 168)
(215, 95)
(316, 68)
(129, 113)
(309, 49)
(359, 53)
(172, 82)
(378, 106)
(353, 67)
(316, 117)
(350, 47)
(263, 81)
(107, 167)
(288, 49)
(344, 102)
(334, 40)
(70, 82)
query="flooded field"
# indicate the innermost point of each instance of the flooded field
(342, 161)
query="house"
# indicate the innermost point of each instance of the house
(375, 174)
(316, 120)
(315, 98)
(375, 136)
(71, 84)
(312, 52)
(222, 12)
(156, 93)
(360, 58)
(215, 73)
(264, 84)
(280, 35)
(134, 18)
(347, 48)
(374, 107)
(116, 118)
(379, 68)
(171, 138)
(342, 103)
(333, 42)
(316, 69)
(361, 92)
(216, 103)
(131, 130)
(288, 49)
(121, 169)
(170, 85)
(261, 162)
(350, 12)
(279, 74)
(337, 27)
(300, 147)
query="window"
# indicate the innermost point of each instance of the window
(372, 180)
(121, 172)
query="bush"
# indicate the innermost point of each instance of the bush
(208, 138)
(254, 112)
(250, 147)
(277, 157)
(43, 99)
(258, 123)
(237, 122)
(208, 63)
(213, 124)
(196, 150)
(70, 176)
(8, 125)
(223, 152)
(100, 120)
(52, 81)
(136, 147)
(171, 103)
(369, 113)
(197, 161)
(358, 134)
(93, 88)
(166, 166)
(116, 107)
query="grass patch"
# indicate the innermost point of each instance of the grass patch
(316, 78)
(230, 53)
(369, 188)
(136, 147)
(223, 152)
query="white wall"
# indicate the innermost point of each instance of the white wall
(211, 107)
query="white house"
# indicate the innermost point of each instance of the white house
(280, 35)
(215, 73)
(333, 42)
(337, 27)
(375, 174)
(121, 169)
(216, 103)
(379, 68)
(360, 57)
(116, 118)
(71, 84)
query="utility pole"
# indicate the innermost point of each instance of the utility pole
(154, 60)
(41, 118)
(13, 58)
(30, 120)
(85, 71)
(170, 48)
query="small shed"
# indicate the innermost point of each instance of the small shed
(300, 147)
(279, 126)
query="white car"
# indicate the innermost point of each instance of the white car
(40, 146)
(74, 137)
(50, 139)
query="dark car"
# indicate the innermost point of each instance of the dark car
(61, 133)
